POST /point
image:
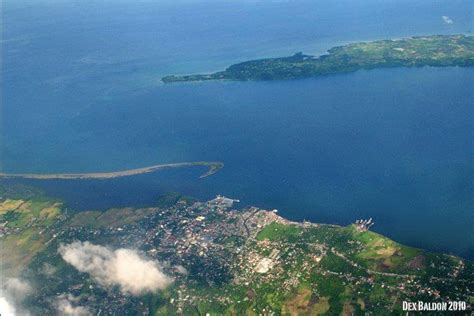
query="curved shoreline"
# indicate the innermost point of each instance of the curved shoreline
(214, 166)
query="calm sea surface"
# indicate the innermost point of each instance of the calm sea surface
(81, 92)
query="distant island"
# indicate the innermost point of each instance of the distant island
(435, 51)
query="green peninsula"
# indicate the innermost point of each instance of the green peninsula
(435, 51)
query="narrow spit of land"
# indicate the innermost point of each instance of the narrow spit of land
(214, 166)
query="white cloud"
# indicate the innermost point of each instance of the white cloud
(12, 294)
(67, 305)
(447, 19)
(6, 308)
(180, 269)
(48, 269)
(122, 267)
(17, 288)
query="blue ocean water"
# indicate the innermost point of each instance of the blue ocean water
(81, 92)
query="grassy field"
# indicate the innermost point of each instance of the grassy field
(278, 231)
(26, 225)
(109, 218)
(382, 254)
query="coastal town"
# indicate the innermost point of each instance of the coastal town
(222, 259)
